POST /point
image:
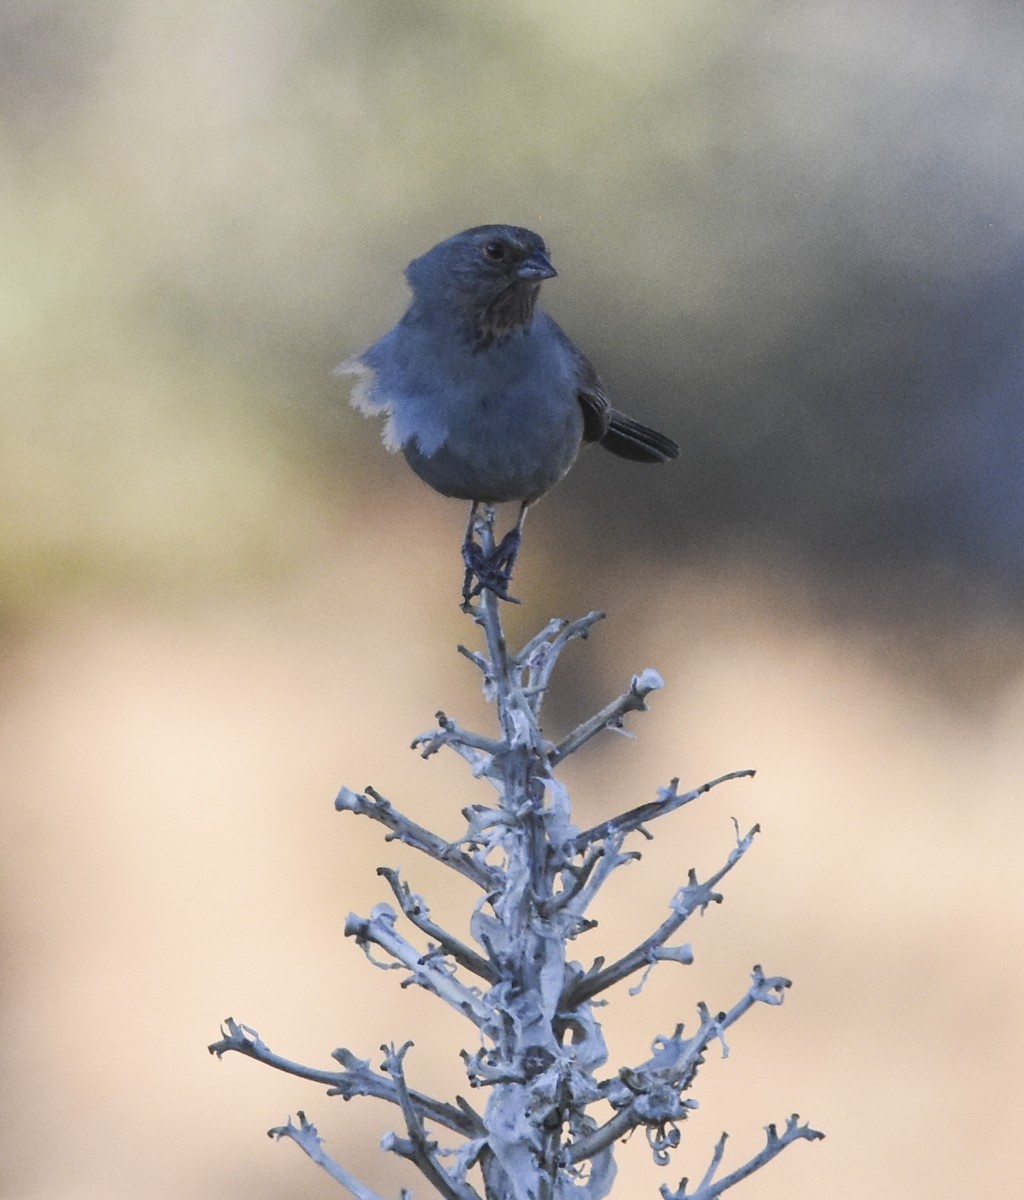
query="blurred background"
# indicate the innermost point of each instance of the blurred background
(792, 236)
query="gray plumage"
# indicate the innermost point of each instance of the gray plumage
(484, 394)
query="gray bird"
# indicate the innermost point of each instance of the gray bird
(484, 394)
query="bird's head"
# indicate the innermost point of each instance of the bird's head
(489, 275)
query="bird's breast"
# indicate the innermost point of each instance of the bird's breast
(503, 424)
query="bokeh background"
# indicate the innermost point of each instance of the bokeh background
(792, 235)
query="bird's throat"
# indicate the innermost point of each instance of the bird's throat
(509, 313)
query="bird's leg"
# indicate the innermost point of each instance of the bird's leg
(490, 566)
(472, 556)
(504, 557)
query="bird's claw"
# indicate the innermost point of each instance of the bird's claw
(489, 572)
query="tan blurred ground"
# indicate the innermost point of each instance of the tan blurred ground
(221, 601)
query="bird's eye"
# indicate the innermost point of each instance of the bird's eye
(495, 251)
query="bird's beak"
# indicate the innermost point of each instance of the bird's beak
(536, 267)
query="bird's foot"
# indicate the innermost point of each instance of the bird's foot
(492, 571)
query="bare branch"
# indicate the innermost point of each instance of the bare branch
(305, 1136)
(415, 909)
(421, 1147)
(379, 930)
(610, 717)
(372, 804)
(668, 801)
(539, 657)
(709, 1188)
(356, 1079)
(644, 955)
(687, 900)
(539, 647)
(651, 1094)
(462, 740)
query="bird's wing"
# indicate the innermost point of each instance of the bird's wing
(597, 412)
(602, 423)
(589, 390)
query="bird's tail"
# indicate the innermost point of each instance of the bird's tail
(629, 439)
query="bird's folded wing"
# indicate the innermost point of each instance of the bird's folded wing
(589, 389)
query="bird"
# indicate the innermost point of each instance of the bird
(486, 397)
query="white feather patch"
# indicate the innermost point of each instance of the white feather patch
(366, 399)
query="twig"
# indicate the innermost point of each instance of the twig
(669, 799)
(421, 1149)
(357, 1079)
(610, 717)
(372, 804)
(452, 734)
(651, 1094)
(414, 908)
(305, 1136)
(379, 930)
(688, 900)
(709, 1188)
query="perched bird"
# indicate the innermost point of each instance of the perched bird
(484, 394)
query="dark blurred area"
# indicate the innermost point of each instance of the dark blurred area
(791, 236)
